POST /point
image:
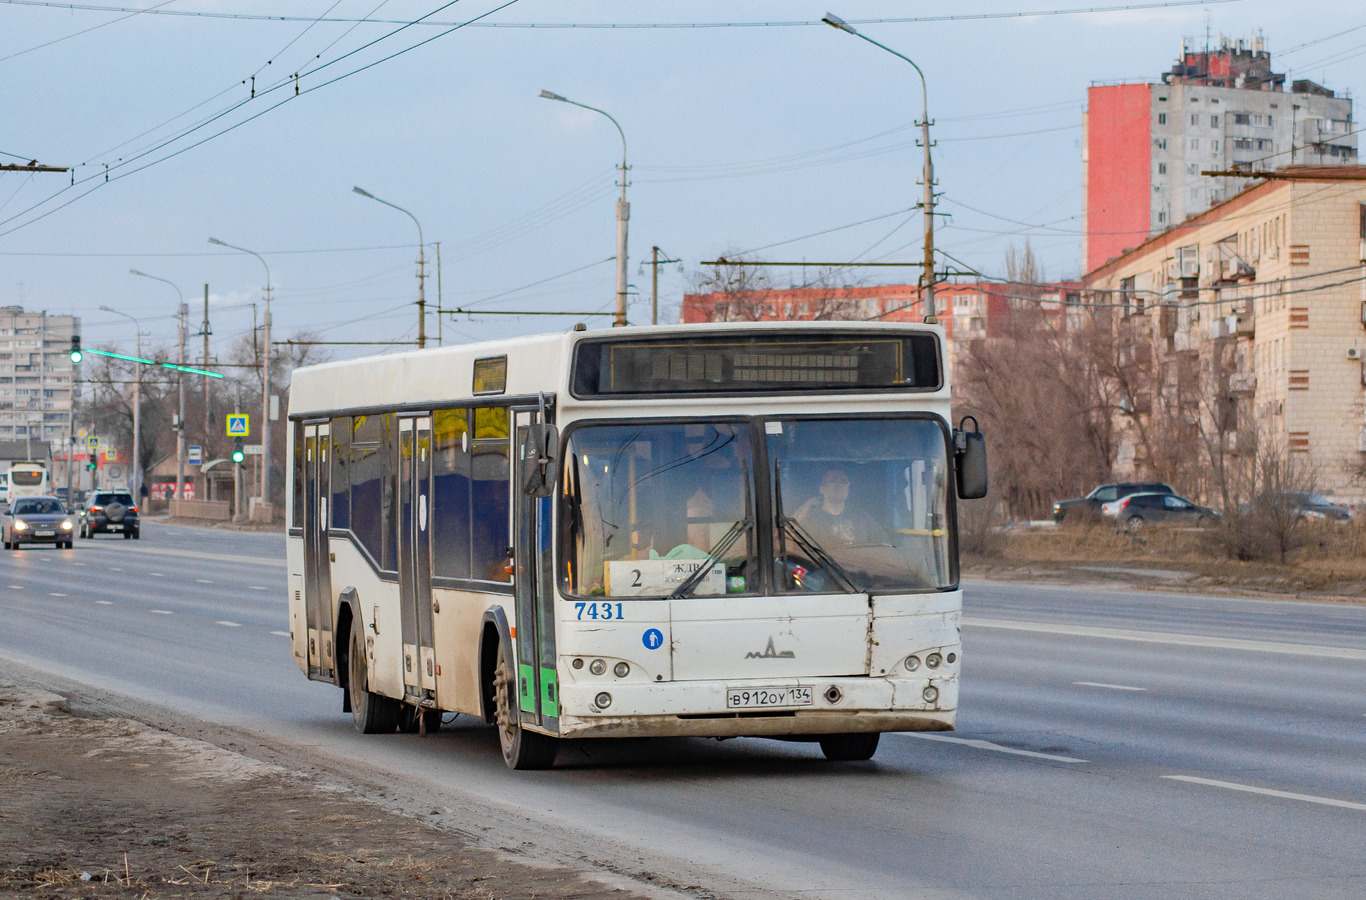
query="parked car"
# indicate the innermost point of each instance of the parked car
(1137, 511)
(1306, 505)
(113, 512)
(36, 520)
(1106, 493)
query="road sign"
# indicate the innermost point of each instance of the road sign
(194, 454)
(237, 424)
(111, 455)
(81, 432)
(93, 442)
(253, 450)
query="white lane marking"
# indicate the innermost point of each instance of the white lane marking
(105, 602)
(51, 594)
(161, 612)
(78, 564)
(280, 633)
(194, 554)
(112, 569)
(1164, 637)
(228, 624)
(1113, 687)
(156, 574)
(988, 745)
(16, 587)
(1284, 795)
(255, 587)
(203, 581)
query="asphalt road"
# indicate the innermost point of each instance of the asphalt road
(1111, 743)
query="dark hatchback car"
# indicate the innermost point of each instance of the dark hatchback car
(1303, 504)
(1107, 493)
(111, 512)
(36, 520)
(1140, 510)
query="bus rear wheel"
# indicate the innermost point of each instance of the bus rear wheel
(522, 749)
(849, 747)
(371, 713)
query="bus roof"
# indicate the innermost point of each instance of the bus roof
(535, 364)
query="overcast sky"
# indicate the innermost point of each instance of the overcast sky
(740, 138)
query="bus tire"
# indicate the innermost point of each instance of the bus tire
(409, 722)
(850, 747)
(522, 749)
(371, 713)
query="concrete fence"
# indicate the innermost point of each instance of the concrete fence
(215, 510)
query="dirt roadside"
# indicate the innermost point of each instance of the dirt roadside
(101, 805)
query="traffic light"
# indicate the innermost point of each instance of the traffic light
(76, 348)
(91, 464)
(238, 454)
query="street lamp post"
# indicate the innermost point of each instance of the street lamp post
(421, 266)
(182, 313)
(265, 373)
(623, 208)
(927, 205)
(135, 487)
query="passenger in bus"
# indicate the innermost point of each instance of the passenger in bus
(832, 520)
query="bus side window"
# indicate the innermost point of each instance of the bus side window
(297, 512)
(451, 493)
(491, 499)
(366, 501)
(341, 478)
(389, 481)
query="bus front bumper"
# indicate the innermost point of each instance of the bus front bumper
(698, 709)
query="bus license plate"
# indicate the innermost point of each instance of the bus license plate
(767, 697)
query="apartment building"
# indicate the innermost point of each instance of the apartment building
(1146, 145)
(1250, 320)
(36, 376)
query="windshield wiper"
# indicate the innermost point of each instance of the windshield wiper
(721, 547)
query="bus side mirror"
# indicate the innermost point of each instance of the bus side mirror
(970, 453)
(540, 454)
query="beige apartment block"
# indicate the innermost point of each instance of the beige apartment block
(1250, 319)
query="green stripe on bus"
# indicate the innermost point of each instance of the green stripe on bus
(550, 705)
(525, 691)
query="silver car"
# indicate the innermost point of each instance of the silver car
(37, 520)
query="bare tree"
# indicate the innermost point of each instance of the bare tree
(743, 287)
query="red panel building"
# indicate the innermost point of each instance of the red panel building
(1116, 171)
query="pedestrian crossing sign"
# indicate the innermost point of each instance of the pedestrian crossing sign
(92, 442)
(111, 455)
(237, 425)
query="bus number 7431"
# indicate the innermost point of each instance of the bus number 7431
(598, 610)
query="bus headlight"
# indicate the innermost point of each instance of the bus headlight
(931, 694)
(912, 663)
(933, 660)
(597, 667)
(621, 670)
(603, 700)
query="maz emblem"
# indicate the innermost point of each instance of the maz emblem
(770, 653)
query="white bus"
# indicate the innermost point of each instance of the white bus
(715, 530)
(26, 479)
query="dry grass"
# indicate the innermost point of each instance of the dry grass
(1329, 559)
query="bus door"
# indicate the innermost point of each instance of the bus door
(533, 584)
(415, 557)
(317, 563)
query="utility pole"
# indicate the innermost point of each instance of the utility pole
(421, 266)
(205, 331)
(655, 263)
(439, 307)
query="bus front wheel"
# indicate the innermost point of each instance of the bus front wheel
(849, 747)
(522, 749)
(371, 713)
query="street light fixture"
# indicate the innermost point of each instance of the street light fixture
(927, 205)
(623, 208)
(265, 373)
(135, 487)
(182, 312)
(421, 265)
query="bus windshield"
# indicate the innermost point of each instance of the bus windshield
(853, 505)
(647, 505)
(859, 504)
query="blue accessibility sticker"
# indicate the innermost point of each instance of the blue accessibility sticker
(653, 639)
